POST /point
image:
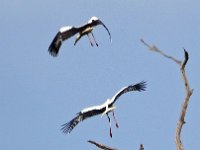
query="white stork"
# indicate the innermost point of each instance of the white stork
(66, 32)
(105, 108)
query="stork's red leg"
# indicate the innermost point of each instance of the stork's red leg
(90, 40)
(110, 125)
(115, 120)
(94, 39)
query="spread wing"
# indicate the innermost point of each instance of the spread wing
(63, 34)
(84, 114)
(136, 87)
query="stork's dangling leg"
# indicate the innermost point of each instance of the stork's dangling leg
(115, 120)
(90, 40)
(94, 39)
(110, 125)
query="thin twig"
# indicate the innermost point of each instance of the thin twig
(155, 49)
(187, 88)
(101, 146)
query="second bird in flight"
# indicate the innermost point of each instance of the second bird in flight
(66, 32)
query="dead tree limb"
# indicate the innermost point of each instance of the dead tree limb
(155, 49)
(101, 146)
(181, 120)
(185, 103)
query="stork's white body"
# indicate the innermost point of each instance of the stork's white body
(102, 109)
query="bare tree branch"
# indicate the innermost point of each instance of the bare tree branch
(185, 60)
(155, 49)
(101, 146)
(185, 103)
(181, 120)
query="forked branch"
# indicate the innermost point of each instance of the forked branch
(104, 147)
(181, 120)
(185, 103)
(155, 49)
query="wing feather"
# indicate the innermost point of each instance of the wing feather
(63, 34)
(68, 32)
(136, 87)
(55, 45)
(68, 127)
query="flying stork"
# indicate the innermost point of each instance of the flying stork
(105, 108)
(66, 32)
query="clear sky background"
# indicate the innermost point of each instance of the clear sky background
(39, 93)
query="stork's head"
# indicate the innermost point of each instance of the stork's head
(93, 19)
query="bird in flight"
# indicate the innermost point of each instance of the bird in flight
(105, 108)
(66, 32)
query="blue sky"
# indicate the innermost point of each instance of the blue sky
(38, 93)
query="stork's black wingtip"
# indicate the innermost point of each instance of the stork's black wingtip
(143, 82)
(142, 85)
(52, 52)
(65, 128)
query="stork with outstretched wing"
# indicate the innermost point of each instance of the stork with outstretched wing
(66, 32)
(105, 108)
